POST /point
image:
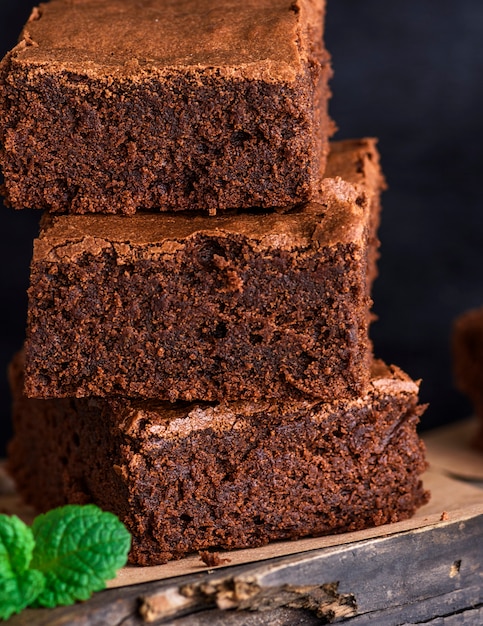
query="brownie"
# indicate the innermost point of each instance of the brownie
(467, 343)
(190, 477)
(235, 306)
(115, 106)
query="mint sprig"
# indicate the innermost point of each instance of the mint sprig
(68, 554)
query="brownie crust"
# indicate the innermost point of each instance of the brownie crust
(192, 477)
(241, 306)
(107, 106)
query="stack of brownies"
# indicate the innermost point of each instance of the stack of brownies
(197, 357)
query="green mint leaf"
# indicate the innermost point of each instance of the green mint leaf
(18, 592)
(78, 548)
(16, 545)
(19, 586)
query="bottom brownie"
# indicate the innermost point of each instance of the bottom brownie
(468, 361)
(188, 477)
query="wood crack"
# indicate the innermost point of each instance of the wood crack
(245, 594)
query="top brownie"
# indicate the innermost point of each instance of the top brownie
(110, 106)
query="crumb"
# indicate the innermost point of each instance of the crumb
(212, 559)
(444, 516)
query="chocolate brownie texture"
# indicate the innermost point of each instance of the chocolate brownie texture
(192, 477)
(112, 106)
(239, 306)
(467, 344)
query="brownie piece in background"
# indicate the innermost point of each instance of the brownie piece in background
(239, 306)
(113, 106)
(188, 477)
(467, 344)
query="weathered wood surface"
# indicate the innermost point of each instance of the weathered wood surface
(407, 578)
(429, 570)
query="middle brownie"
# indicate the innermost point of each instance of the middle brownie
(232, 307)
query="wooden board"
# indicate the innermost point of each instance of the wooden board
(425, 567)
(431, 575)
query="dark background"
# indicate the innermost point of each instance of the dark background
(410, 73)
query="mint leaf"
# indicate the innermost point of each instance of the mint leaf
(18, 592)
(16, 545)
(78, 548)
(19, 586)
